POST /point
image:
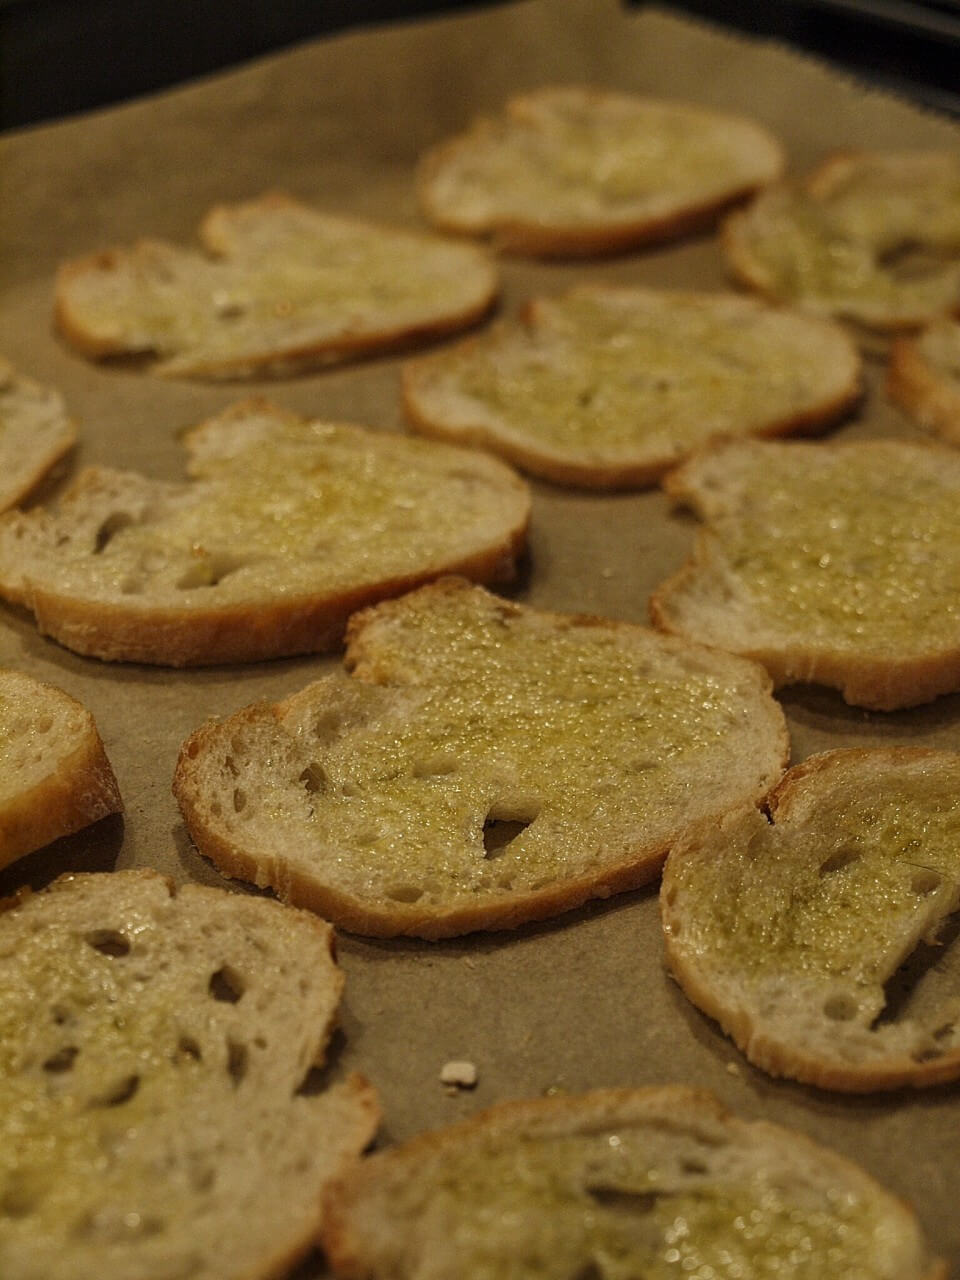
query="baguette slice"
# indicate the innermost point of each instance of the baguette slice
(35, 433)
(55, 777)
(158, 1117)
(809, 936)
(286, 527)
(572, 171)
(487, 764)
(282, 288)
(653, 1182)
(834, 564)
(608, 387)
(871, 237)
(924, 377)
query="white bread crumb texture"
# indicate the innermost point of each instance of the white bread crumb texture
(608, 386)
(662, 1180)
(282, 288)
(285, 526)
(872, 237)
(157, 1111)
(811, 938)
(485, 763)
(834, 563)
(576, 170)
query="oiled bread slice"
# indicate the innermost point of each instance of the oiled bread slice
(35, 433)
(285, 528)
(923, 377)
(283, 287)
(486, 764)
(870, 236)
(568, 170)
(55, 777)
(159, 1119)
(650, 1182)
(834, 564)
(808, 935)
(607, 387)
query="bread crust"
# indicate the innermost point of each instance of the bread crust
(361, 1248)
(549, 231)
(709, 599)
(63, 782)
(780, 1028)
(431, 386)
(192, 311)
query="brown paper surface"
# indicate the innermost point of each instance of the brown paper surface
(582, 1001)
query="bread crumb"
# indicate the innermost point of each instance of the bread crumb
(458, 1075)
(733, 1068)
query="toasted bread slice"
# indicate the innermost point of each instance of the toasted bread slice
(923, 377)
(569, 171)
(832, 564)
(158, 1118)
(35, 433)
(283, 288)
(486, 764)
(871, 237)
(55, 777)
(608, 387)
(651, 1182)
(807, 935)
(286, 527)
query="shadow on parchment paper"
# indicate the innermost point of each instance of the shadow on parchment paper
(95, 848)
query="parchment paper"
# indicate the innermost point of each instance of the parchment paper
(582, 1001)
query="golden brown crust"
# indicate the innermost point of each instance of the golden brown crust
(78, 788)
(235, 633)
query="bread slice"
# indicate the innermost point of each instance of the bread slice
(923, 377)
(810, 935)
(567, 170)
(834, 564)
(487, 764)
(870, 236)
(35, 433)
(160, 1119)
(608, 387)
(55, 777)
(283, 287)
(285, 528)
(651, 1182)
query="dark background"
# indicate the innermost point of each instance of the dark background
(58, 57)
